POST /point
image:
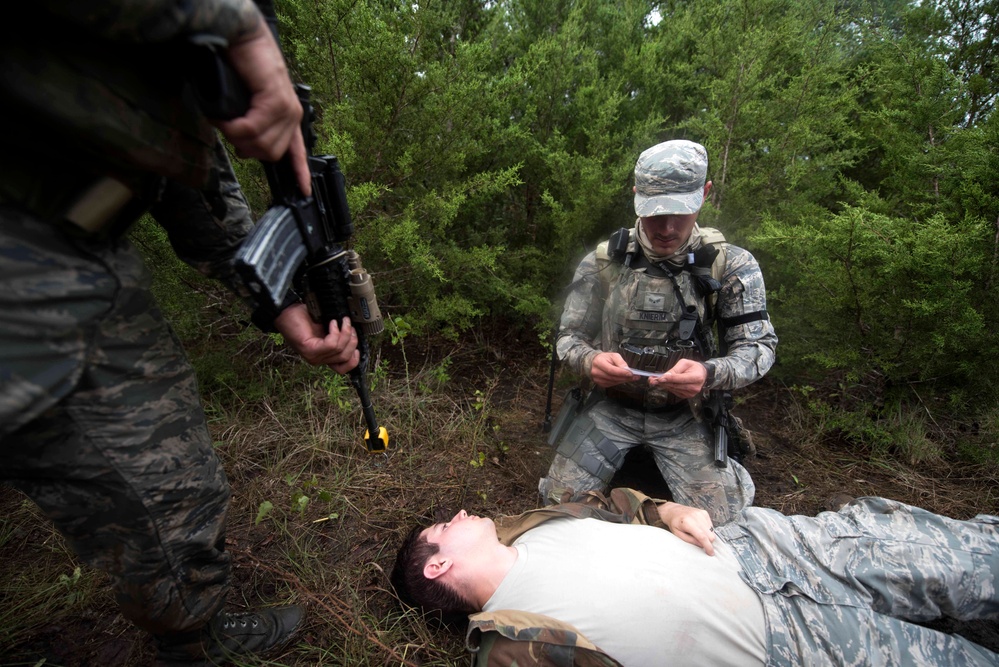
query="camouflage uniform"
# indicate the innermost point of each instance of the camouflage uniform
(609, 304)
(100, 418)
(841, 588)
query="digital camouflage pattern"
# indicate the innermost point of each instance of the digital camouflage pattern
(100, 420)
(207, 227)
(604, 296)
(608, 305)
(847, 587)
(670, 178)
(679, 445)
(101, 424)
(842, 588)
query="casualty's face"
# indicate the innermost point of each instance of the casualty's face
(667, 233)
(463, 533)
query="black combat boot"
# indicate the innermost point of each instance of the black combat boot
(230, 635)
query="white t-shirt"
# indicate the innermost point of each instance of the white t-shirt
(641, 594)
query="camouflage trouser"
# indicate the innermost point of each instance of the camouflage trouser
(101, 424)
(848, 587)
(594, 446)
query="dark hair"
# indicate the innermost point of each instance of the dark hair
(415, 589)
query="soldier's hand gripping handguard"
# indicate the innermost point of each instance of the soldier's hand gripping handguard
(299, 247)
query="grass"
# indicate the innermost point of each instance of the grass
(334, 516)
(45, 587)
(316, 520)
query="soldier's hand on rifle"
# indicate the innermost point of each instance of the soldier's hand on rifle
(336, 349)
(609, 369)
(689, 524)
(272, 126)
(685, 379)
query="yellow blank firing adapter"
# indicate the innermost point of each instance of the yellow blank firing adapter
(377, 445)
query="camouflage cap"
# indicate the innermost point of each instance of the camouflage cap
(669, 178)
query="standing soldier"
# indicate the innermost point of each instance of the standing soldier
(100, 419)
(647, 300)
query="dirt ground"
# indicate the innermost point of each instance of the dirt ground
(789, 476)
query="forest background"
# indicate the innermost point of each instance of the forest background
(487, 145)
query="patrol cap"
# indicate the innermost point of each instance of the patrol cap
(669, 178)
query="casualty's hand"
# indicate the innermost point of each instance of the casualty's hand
(337, 349)
(689, 524)
(272, 126)
(685, 379)
(609, 369)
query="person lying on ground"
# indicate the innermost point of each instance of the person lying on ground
(599, 582)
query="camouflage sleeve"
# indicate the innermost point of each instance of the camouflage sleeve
(581, 318)
(158, 20)
(206, 227)
(751, 346)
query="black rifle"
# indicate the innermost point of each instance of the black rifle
(301, 241)
(726, 438)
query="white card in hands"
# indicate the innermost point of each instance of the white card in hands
(648, 374)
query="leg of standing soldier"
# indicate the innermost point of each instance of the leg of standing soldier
(116, 451)
(591, 451)
(682, 449)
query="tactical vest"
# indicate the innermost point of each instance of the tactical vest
(661, 311)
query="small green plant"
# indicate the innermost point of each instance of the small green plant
(71, 582)
(338, 389)
(440, 371)
(437, 377)
(478, 460)
(300, 502)
(263, 510)
(302, 496)
(378, 374)
(398, 329)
